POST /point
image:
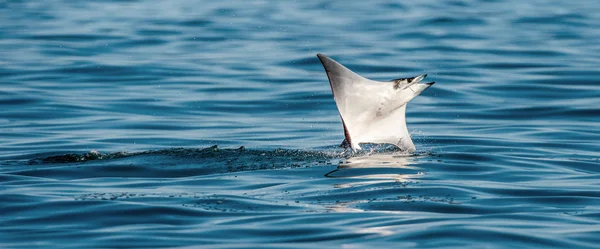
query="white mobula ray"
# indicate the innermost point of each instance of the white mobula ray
(372, 111)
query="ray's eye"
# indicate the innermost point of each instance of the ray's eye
(398, 84)
(402, 81)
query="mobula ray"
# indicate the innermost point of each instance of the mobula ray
(372, 111)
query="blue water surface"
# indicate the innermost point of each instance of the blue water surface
(109, 109)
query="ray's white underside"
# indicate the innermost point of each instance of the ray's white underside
(372, 111)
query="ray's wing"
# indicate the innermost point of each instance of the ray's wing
(359, 101)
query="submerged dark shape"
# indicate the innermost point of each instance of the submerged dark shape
(372, 111)
(213, 158)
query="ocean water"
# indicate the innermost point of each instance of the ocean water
(110, 112)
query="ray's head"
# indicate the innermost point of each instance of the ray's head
(409, 88)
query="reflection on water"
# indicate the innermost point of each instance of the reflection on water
(390, 166)
(369, 170)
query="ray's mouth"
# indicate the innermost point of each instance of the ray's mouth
(417, 80)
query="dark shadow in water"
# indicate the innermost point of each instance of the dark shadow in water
(173, 162)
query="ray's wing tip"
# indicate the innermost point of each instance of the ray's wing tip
(322, 57)
(328, 63)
